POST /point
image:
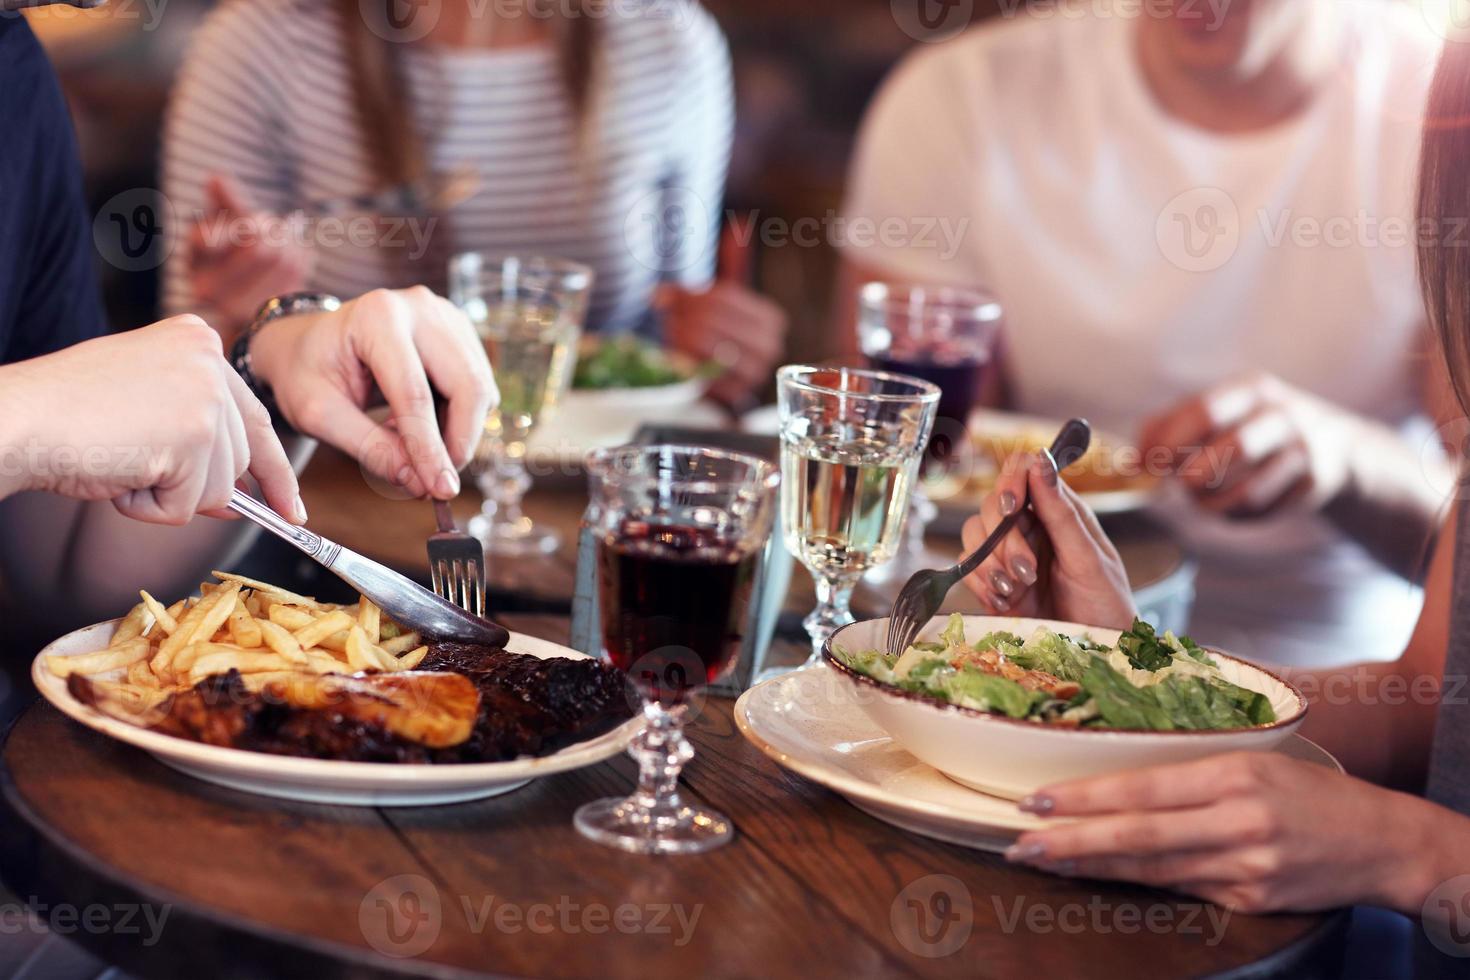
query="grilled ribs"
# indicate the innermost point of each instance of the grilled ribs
(464, 704)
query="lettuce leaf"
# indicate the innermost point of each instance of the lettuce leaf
(1120, 704)
(974, 688)
(954, 631)
(1053, 653)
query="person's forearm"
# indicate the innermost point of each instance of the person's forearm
(18, 444)
(1377, 720)
(1435, 847)
(1393, 500)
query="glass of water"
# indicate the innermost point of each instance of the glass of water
(529, 313)
(851, 442)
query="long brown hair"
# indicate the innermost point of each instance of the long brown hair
(386, 120)
(1444, 207)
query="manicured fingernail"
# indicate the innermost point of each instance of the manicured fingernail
(1046, 468)
(404, 476)
(1023, 570)
(1037, 803)
(300, 511)
(1008, 503)
(448, 484)
(999, 603)
(1002, 583)
(1029, 851)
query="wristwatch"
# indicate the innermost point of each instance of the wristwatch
(274, 309)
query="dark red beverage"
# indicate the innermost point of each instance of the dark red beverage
(958, 377)
(674, 600)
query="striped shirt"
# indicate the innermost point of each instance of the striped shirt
(634, 191)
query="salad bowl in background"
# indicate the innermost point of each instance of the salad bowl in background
(1012, 757)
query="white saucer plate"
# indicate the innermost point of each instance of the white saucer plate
(808, 724)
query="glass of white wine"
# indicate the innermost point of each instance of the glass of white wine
(851, 442)
(529, 312)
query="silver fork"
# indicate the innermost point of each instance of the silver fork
(924, 592)
(456, 563)
(401, 598)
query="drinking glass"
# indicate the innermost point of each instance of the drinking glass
(529, 313)
(850, 447)
(679, 531)
(946, 336)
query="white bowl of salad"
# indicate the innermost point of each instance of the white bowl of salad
(1007, 705)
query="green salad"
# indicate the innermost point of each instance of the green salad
(626, 362)
(1146, 682)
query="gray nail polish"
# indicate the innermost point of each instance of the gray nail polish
(1002, 583)
(1037, 803)
(999, 603)
(1047, 467)
(1008, 503)
(1026, 852)
(1023, 570)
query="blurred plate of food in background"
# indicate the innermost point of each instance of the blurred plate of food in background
(620, 384)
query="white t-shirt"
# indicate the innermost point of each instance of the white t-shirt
(1140, 260)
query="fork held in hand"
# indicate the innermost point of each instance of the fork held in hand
(924, 593)
(456, 563)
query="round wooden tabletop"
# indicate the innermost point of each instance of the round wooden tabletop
(177, 875)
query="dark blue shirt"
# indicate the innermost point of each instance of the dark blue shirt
(48, 292)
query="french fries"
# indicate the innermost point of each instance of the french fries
(265, 632)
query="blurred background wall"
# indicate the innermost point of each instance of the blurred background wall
(804, 74)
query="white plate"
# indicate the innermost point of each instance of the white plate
(327, 781)
(588, 420)
(807, 724)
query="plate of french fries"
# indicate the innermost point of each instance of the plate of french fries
(272, 636)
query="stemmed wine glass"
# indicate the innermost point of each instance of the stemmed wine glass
(850, 447)
(529, 313)
(679, 532)
(946, 336)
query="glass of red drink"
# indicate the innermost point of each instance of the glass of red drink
(946, 336)
(679, 532)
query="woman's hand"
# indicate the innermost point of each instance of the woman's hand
(154, 420)
(1057, 563)
(240, 257)
(733, 326)
(326, 369)
(1251, 448)
(1253, 831)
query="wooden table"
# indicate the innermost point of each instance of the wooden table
(249, 886)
